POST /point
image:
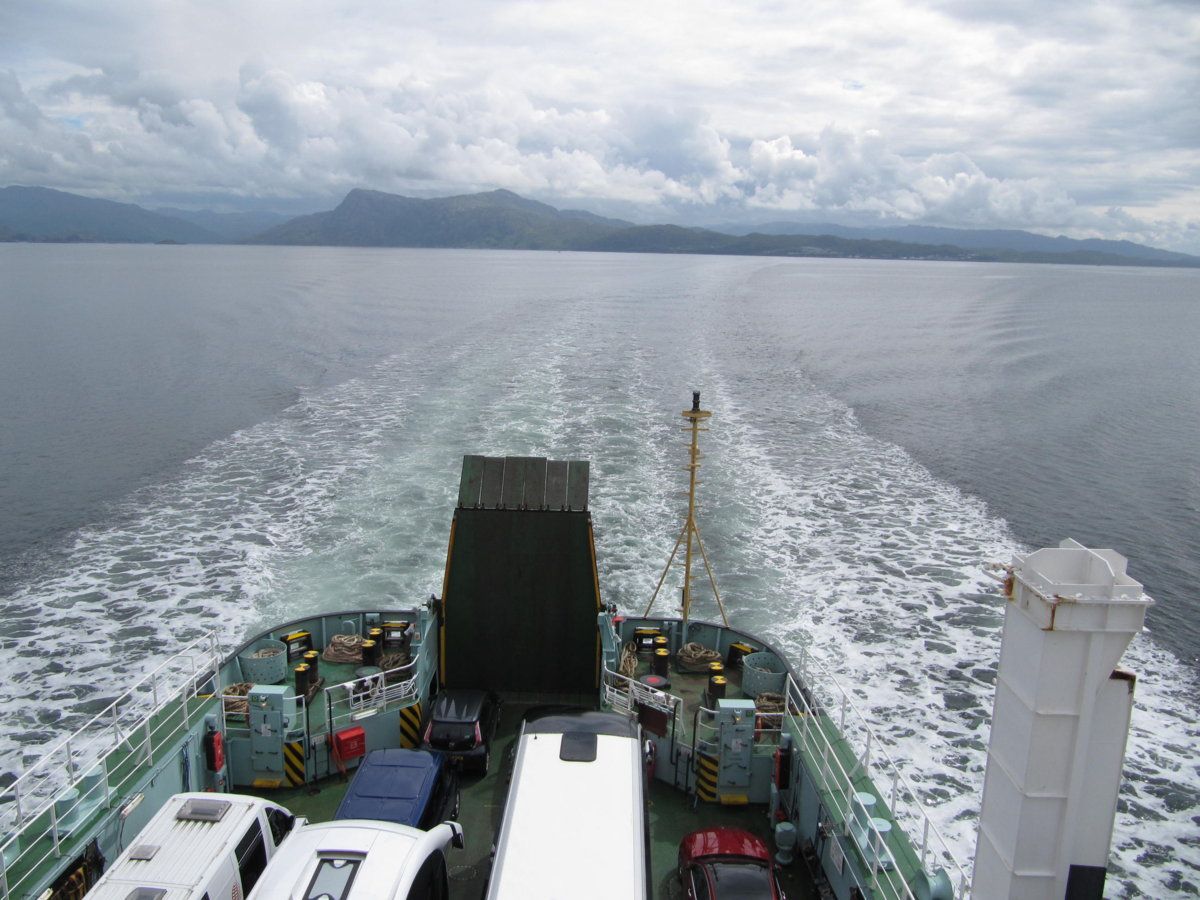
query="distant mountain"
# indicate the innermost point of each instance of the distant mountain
(42, 214)
(971, 239)
(672, 239)
(229, 226)
(493, 219)
(502, 219)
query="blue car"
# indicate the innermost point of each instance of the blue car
(408, 787)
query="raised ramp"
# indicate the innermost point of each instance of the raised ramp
(521, 594)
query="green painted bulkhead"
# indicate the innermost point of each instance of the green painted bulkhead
(388, 706)
(521, 594)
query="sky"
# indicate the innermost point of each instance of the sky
(1063, 117)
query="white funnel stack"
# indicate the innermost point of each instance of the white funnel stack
(1059, 726)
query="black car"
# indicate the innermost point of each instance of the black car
(461, 725)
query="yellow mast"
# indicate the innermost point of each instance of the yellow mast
(695, 416)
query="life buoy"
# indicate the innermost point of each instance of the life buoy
(214, 751)
(762, 724)
(782, 774)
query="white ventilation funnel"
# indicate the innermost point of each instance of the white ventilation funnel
(1059, 726)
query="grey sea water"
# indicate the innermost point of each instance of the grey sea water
(199, 437)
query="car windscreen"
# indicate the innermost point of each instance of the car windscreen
(452, 735)
(744, 880)
(458, 706)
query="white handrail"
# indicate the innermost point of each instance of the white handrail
(82, 758)
(635, 690)
(380, 690)
(911, 814)
(840, 784)
(113, 714)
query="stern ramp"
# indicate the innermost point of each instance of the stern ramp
(521, 595)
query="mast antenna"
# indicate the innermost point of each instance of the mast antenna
(695, 416)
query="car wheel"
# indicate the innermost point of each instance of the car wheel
(487, 761)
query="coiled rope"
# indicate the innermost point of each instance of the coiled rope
(628, 666)
(234, 706)
(344, 648)
(394, 660)
(768, 702)
(695, 657)
(347, 648)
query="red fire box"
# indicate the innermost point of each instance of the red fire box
(350, 743)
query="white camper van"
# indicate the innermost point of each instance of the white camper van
(198, 847)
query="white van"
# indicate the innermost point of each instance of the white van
(199, 846)
(357, 859)
(574, 823)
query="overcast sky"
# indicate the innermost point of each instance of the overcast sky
(1058, 116)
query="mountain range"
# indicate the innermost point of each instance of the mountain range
(502, 219)
(970, 239)
(42, 214)
(494, 219)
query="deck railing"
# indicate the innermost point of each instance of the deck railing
(369, 695)
(99, 764)
(623, 693)
(822, 695)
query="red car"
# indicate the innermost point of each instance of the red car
(721, 863)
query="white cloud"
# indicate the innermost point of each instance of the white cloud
(955, 113)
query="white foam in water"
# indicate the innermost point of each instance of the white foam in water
(821, 536)
(854, 550)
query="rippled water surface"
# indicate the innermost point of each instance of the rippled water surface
(199, 437)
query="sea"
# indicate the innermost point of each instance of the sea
(197, 438)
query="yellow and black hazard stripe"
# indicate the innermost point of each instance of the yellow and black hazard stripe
(706, 777)
(80, 878)
(410, 726)
(294, 765)
(72, 886)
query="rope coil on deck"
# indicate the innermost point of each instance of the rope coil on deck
(347, 649)
(629, 660)
(344, 648)
(695, 657)
(233, 706)
(394, 660)
(768, 702)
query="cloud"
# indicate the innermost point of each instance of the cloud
(853, 173)
(956, 113)
(17, 108)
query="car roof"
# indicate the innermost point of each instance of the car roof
(725, 842)
(564, 719)
(459, 705)
(183, 843)
(391, 785)
(388, 856)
